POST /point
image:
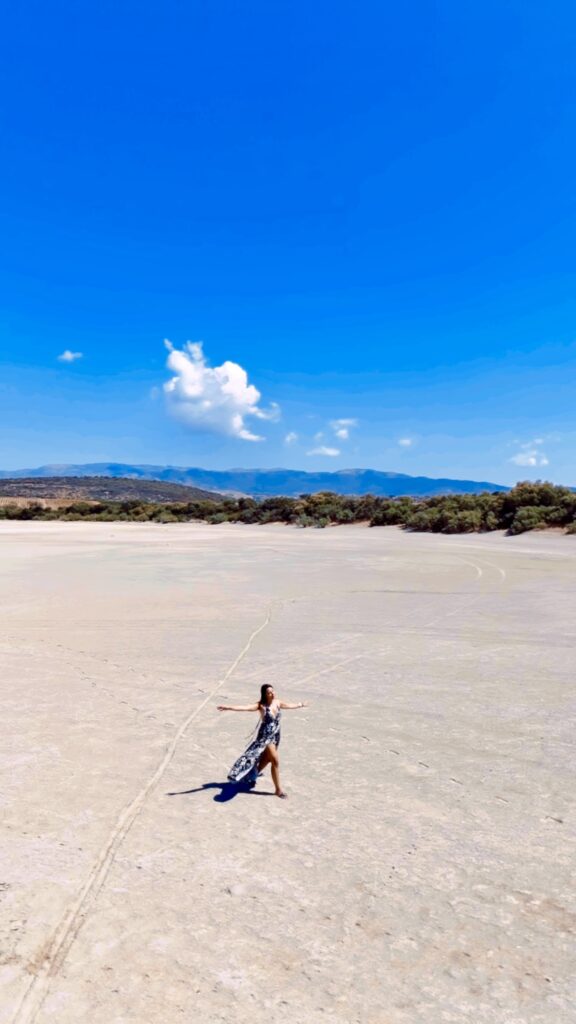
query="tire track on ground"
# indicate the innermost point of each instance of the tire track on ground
(57, 947)
(329, 668)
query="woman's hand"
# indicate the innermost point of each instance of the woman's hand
(237, 707)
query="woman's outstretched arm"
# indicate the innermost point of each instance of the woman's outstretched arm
(237, 707)
(294, 707)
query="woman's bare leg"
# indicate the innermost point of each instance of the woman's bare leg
(275, 768)
(264, 760)
(270, 757)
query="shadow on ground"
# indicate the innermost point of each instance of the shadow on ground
(228, 790)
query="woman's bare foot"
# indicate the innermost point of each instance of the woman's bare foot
(283, 796)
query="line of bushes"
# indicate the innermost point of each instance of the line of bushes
(528, 506)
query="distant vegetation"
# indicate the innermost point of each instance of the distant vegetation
(101, 488)
(528, 506)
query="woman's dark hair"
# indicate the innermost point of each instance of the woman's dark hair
(263, 688)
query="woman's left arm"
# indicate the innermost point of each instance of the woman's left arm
(293, 707)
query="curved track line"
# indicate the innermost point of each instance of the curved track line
(497, 567)
(485, 561)
(58, 946)
(473, 565)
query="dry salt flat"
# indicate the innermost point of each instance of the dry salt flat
(421, 870)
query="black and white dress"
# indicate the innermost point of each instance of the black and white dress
(245, 769)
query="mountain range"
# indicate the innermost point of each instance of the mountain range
(261, 483)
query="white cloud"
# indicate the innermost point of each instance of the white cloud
(324, 450)
(530, 454)
(530, 458)
(69, 357)
(406, 442)
(216, 399)
(342, 427)
(291, 437)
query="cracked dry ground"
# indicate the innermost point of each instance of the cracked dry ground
(420, 870)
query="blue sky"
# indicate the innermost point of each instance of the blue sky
(366, 214)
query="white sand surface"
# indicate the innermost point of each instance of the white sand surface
(422, 870)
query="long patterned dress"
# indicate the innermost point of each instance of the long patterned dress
(245, 769)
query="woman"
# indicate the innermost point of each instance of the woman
(264, 749)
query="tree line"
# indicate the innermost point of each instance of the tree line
(527, 506)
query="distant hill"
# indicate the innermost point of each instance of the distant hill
(261, 482)
(99, 488)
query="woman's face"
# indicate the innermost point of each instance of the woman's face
(269, 694)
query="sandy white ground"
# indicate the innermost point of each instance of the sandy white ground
(421, 871)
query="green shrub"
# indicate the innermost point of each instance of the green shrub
(304, 521)
(530, 517)
(218, 517)
(395, 514)
(490, 521)
(463, 522)
(80, 508)
(426, 519)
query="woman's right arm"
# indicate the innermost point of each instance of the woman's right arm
(237, 707)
